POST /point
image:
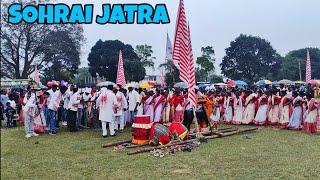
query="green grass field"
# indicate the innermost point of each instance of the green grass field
(269, 154)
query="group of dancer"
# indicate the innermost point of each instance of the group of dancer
(115, 107)
(282, 108)
(287, 108)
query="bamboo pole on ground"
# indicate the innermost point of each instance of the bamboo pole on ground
(210, 133)
(191, 140)
(160, 147)
(232, 133)
(115, 143)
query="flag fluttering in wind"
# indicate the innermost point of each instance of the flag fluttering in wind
(308, 68)
(169, 53)
(36, 74)
(180, 48)
(191, 75)
(182, 52)
(121, 80)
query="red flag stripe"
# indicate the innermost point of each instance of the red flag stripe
(182, 52)
(308, 68)
(120, 73)
(180, 43)
(192, 81)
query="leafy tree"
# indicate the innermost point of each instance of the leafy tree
(55, 73)
(250, 58)
(290, 65)
(205, 63)
(25, 45)
(103, 61)
(216, 78)
(172, 73)
(62, 56)
(82, 74)
(144, 53)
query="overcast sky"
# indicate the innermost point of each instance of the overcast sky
(287, 24)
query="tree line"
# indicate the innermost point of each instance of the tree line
(252, 58)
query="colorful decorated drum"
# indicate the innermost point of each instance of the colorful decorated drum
(140, 129)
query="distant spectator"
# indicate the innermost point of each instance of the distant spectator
(10, 111)
(302, 88)
(309, 92)
(4, 97)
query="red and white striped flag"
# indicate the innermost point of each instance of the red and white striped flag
(121, 80)
(181, 43)
(308, 68)
(191, 78)
(36, 74)
(182, 52)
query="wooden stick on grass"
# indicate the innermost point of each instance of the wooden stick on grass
(191, 140)
(115, 143)
(160, 147)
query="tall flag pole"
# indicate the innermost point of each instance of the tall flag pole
(121, 80)
(36, 75)
(182, 52)
(308, 68)
(180, 47)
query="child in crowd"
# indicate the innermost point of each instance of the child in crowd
(10, 111)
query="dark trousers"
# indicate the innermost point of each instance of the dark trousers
(59, 115)
(188, 117)
(9, 120)
(72, 119)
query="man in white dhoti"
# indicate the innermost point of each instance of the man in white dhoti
(106, 102)
(121, 106)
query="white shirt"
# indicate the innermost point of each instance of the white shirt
(54, 100)
(74, 102)
(86, 97)
(12, 104)
(66, 99)
(48, 98)
(106, 102)
(133, 98)
(29, 103)
(121, 103)
(188, 104)
(4, 99)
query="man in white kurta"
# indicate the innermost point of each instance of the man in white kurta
(121, 106)
(133, 100)
(106, 102)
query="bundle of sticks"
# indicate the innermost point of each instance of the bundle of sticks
(194, 137)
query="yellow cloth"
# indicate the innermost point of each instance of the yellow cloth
(316, 92)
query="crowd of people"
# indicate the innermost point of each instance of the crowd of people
(63, 104)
